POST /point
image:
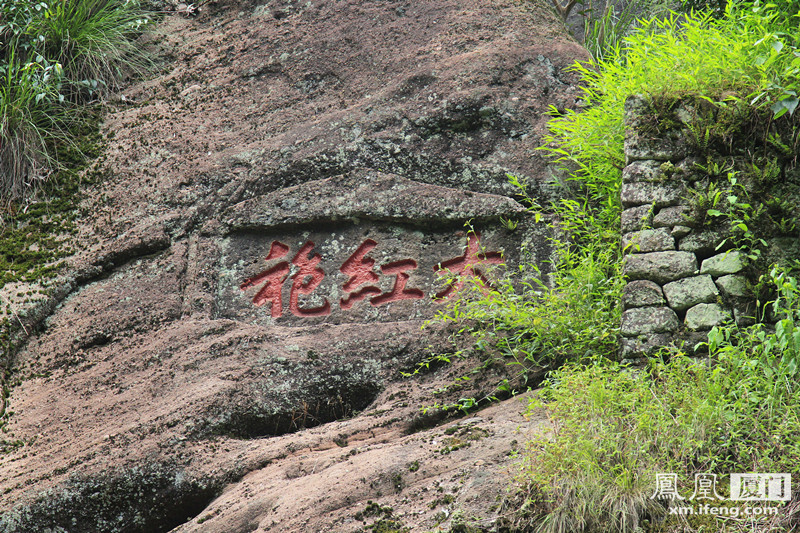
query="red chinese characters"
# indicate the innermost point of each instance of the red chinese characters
(360, 270)
(272, 290)
(307, 278)
(363, 277)
(304, 281)
(466, 265)
(399, 290)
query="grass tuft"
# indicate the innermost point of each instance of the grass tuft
(54, 56)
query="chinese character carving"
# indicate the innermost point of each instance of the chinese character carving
(304, 281)
(466, 265)
(363, 277)
(359, 270)
(399, 291)
(274, 277)
(308, 277)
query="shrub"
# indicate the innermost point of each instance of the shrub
(53, 55)
(715, 7)
(616, 428)
(530, 326)
(94, 41)
(749, 55)
(613, 431)
(30, 121)
(607, 24)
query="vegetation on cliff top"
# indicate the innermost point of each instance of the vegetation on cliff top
(57, 58)
(616, 429)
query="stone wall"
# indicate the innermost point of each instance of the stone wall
(683, 275)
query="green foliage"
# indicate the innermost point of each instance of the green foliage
(742, 217)
(750, 55)
(93, 40)
(715, 7)
(746, 207)
(54, 55)
(28, 125)
(616, 428)
(759, 371)
(531, 324)
(607, 23)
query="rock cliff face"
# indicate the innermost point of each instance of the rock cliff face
(285, 203)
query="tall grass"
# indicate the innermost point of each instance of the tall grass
(615, 429)
(93, 40)
(607, 24)
(53, 57)
(31, 121)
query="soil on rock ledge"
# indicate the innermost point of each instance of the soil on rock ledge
(225, 353)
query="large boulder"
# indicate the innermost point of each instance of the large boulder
(283, 207)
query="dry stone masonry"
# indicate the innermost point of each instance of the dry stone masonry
(683, 277)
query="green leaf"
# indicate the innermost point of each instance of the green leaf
(782, 107)
(790, 104)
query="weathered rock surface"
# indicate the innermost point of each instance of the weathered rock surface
(642, 293)
(643, 171)
(657, 194)
(660, 267)
(733, 286)
(369, 196)
(644, 320)
(680, 231)
(444, 93)
(705, 242)
(674, 216)
(636, 218)
(726, 263)
(687, 292)
(705, 316)
(282, 209)
(633, 348)
(643, 143)
(649, 240)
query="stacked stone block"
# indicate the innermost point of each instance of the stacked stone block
(681, 280)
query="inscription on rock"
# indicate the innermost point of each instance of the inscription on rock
(355, 273)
